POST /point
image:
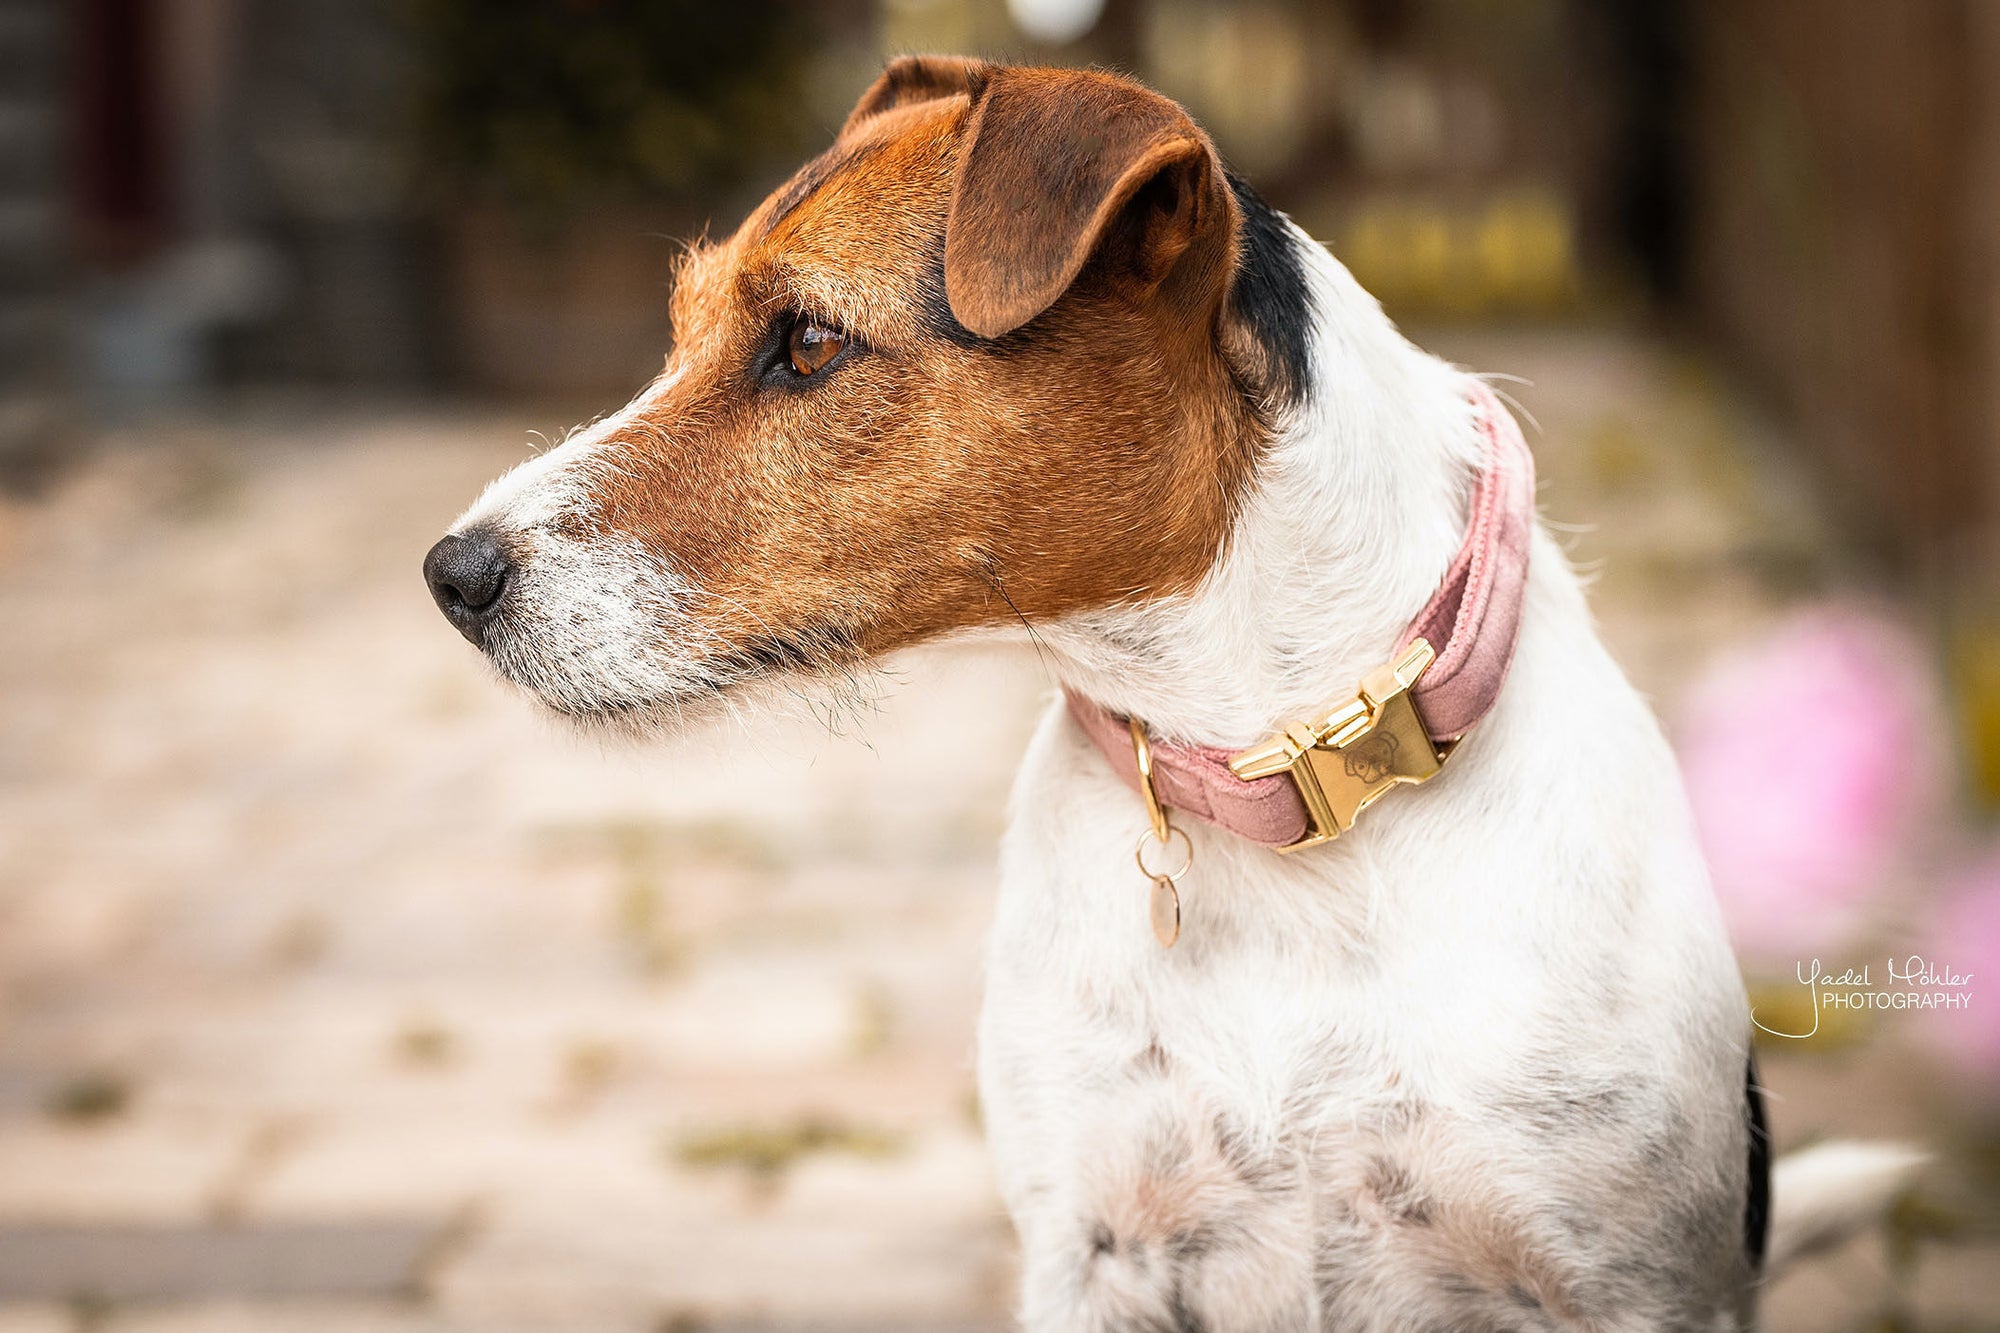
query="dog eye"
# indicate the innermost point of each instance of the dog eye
(812, 345)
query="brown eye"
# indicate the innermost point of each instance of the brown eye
(813, 345)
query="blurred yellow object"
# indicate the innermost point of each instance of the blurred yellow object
(1784, 1006)
(1433, 247)
(1373, 251)
(1975, 673)
(940, 25)
(1616, 452)
(1516, 253)
(766, 1151)
(1526, 248)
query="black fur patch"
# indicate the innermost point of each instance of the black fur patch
(1757, 1203)
(1270, 294)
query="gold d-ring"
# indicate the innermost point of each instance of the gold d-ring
(1142, 751)
(1187, 855)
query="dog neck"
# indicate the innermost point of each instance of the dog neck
(1353, 513)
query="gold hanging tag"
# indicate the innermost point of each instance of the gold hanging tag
(1165, 911)
(1164, 902)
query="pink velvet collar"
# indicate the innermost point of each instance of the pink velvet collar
(1472, 621)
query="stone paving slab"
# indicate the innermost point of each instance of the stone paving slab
(899, 1238)
(104, 1262)
(323, 1317)
(151, 1169)
(36, 1318)
(314, 1316)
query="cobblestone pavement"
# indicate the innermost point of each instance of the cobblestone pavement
(339, 993)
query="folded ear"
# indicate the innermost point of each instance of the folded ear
(1061, 165)
(918, 79)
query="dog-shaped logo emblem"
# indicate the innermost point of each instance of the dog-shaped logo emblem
(1372, 758)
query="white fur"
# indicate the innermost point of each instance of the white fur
(1819, 1194)
(1509, 989)
(552, 487)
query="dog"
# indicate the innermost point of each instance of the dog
(1436, 1025)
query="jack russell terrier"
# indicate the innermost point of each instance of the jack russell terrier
(1435, 1025)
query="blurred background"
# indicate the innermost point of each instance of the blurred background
(340, 993)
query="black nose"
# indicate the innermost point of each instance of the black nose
(468, 578)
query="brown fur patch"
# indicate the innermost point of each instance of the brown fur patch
(929, 480)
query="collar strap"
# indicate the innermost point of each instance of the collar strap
(1309, 781)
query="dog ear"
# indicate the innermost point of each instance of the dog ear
(918, 79)
(1060, 165)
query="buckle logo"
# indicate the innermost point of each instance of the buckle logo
(1371, 759)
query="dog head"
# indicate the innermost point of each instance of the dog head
(985, 360)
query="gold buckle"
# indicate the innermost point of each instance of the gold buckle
(1346, 760)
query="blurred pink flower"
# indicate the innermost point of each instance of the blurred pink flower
(1808, 755)
(1966, 939)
